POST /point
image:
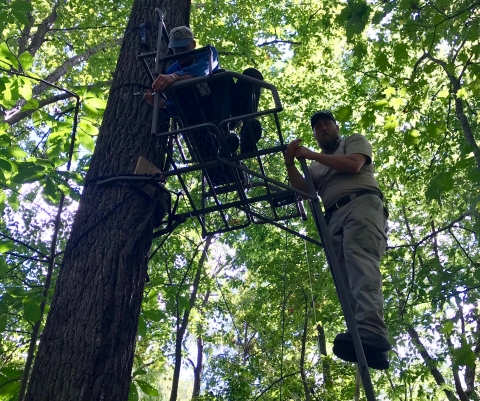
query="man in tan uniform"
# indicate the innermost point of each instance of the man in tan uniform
(357, 220)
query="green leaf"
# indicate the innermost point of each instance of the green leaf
(11, 373)
(21, 17)
(360, 50)
(5, 245)
(88, 128)
(16, 292)
(447, 327)
(377, 18)
(442, 182)
(14, 202)
(343, 113)
(464, 356)
(382, 61)
(3, 267)
(17, 152)
(96, 103)
(412, 137)
(390, 123)
(183, 303)
(26, 60)
(133, 394)
(28, 172)
(32, 104)
(31, 311)
(389, 91)
(86, 141)
(474, 175)
(3, 323)
(443, 94)
(380, 104)
(21, 5)
(139, 372)
(10, 389)
(154, 315)
(7, 55)
(147, 388)
(25, 90)
(50, 190)
(142, 327)
(6, 165)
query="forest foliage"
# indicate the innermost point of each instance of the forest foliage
(405, 73)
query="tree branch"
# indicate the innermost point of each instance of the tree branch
(60, 71)
(273, 42)
(25, 245)
(42, 29)
(20, 115)
(429, 362)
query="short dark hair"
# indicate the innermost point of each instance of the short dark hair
(320, 115)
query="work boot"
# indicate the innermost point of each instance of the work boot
(250, 134)
(375, 348)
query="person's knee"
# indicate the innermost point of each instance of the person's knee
(254, 73)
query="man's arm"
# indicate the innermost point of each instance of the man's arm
(198, 69)
(164, 80)
(296, 179)
(344, 163)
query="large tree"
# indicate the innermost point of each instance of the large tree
(87, 346)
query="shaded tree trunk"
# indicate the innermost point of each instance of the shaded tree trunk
(87, 347)
(327, 377)
(306, 390)
(197, 371)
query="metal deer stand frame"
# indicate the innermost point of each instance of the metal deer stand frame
(222, 188)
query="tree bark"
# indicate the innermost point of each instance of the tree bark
(197, 370)
(327, 377)
(87, 347)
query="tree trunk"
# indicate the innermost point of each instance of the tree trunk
(197, 371)
(87, 347)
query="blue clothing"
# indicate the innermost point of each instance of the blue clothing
(199, 68)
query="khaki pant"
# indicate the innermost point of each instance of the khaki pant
(359, 236)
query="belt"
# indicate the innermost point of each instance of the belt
(348, 198)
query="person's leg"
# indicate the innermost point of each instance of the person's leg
(364, 244)
(246, 95)
(245, 101)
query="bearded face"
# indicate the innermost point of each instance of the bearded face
(325, 132)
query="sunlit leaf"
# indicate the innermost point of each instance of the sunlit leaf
(26, 60)
(86, 141)
(147, 388)
(142, 327)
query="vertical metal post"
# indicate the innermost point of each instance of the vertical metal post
(339, 284)
(156, 72)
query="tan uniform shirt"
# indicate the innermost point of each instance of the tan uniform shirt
(331, 185)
